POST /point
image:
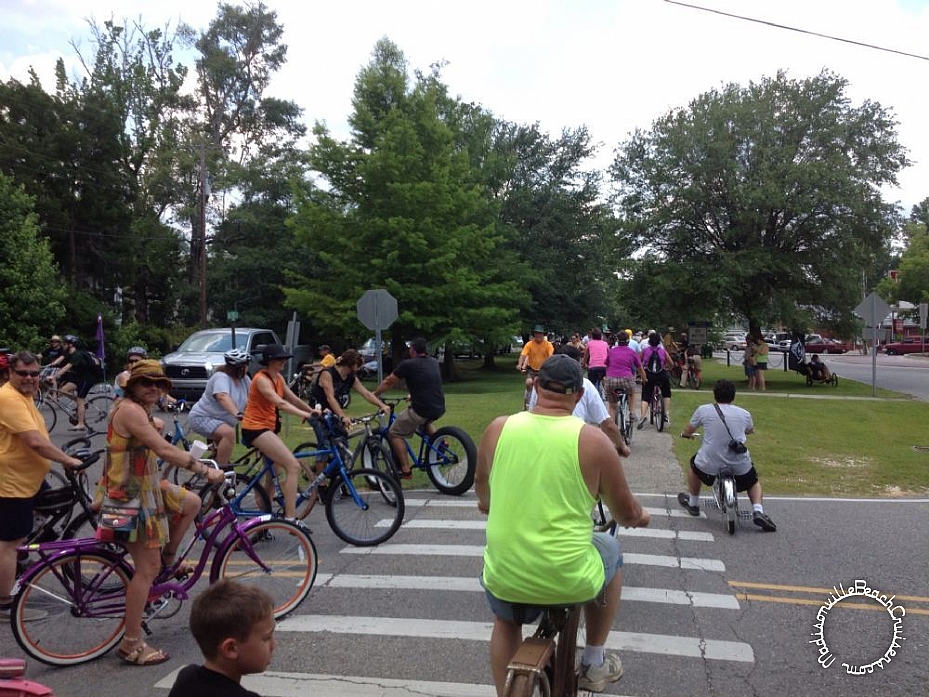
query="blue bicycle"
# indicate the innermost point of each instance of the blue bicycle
(364, 506)
(448, 456)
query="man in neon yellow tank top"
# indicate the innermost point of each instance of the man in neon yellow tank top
(538, 477)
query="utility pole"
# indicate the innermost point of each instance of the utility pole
(204, 193)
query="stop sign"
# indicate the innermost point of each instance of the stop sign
(377, 309)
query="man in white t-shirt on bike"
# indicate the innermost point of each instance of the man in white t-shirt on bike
(590, 408)
(722, 423)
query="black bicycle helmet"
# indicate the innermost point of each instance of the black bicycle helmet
(71, 339)
(236, 357)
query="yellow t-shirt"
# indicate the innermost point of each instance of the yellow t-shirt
(537, 352)
(22, 469)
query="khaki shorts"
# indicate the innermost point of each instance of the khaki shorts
(407, 422)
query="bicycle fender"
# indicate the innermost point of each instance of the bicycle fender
(99, 550)
(232, 538)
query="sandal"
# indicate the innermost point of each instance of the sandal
(142, 654)
(183, 570)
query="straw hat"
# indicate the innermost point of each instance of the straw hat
(148, 369)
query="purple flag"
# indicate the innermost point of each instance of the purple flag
(101, 352)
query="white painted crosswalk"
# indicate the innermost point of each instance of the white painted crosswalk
(425, 541)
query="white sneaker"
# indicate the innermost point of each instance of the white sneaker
(595, 678)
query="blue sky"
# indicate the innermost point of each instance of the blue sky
(614, 65)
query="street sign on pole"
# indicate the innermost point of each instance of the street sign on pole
(874, 310)
(377, 310)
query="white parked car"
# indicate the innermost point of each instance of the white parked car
(734, 342)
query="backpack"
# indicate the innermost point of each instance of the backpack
(655, 365)
(95, 369)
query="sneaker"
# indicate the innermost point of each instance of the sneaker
(683, 498)
(763, 521)
(667, 420)
(642, 423)
(595, 678)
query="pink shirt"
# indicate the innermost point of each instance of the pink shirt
(622, 362)
(597, 350)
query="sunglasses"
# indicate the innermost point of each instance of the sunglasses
(148, 382)
(133, 361)
(27, 373)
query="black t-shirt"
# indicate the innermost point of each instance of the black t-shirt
(198, 681)
(339, 386)
(80, 368)
(424, 383)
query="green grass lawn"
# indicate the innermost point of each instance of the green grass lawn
(856, 446)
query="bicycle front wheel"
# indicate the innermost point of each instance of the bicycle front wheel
(48, 412)
(97, 413)
(71, 609)
(375, 454)
(287, 566)
(452, 459)
(371, 519)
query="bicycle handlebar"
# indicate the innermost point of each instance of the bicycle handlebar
(87, 457)
(179, 406)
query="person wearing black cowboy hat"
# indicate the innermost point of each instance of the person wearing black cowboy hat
(267, 396)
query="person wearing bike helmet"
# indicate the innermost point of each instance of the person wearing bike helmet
(75, 376)
(133, 356)
(220, 408)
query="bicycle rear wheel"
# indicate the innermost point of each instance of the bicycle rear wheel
(452, 459)
(287, 551)
(48, 412)
(378, 515)
(97, 413)
(71, 609)
(375, 455)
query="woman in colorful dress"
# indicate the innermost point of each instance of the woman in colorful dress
(165, 511)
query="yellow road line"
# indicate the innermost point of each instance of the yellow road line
(810, 589)
(808, 601)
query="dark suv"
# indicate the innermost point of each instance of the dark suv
(194, 361)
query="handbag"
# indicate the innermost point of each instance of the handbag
(736, 446)
(118, 521)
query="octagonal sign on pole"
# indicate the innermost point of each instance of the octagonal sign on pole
(377, 310)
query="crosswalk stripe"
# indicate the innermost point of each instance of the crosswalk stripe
(478, 551)
(691, 647)
(658, 533)
(666, 596)
(472, 503)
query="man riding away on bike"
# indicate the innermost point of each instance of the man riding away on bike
(25, 455)
(541, 549)
(531, 358)
(427, 400)
(718, 421)
(78, 377)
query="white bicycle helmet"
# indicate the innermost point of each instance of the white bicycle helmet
(236, 356)
(137, 351)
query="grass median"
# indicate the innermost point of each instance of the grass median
(812, 441)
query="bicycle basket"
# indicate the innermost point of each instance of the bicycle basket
(53, 500)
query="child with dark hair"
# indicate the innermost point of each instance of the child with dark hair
(234, 628)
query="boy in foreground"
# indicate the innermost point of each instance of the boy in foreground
(234, 628)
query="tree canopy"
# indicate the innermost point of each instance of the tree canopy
(764, 199)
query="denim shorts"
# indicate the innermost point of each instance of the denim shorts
(520, 613)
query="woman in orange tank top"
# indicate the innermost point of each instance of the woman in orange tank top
(267, 396)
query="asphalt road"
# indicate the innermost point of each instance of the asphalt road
(704, 613)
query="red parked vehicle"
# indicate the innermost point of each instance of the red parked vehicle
(911, 344)
(819, 344)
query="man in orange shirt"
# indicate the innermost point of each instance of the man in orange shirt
(531, 358)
